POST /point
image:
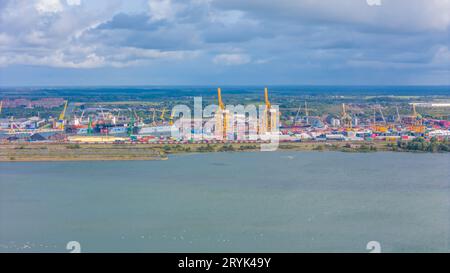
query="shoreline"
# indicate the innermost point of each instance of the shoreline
(41, 152)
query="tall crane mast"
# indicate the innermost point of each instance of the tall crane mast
(296, 115)
(382, 115)
(219, 96)
(266, 98)
(399, 119)
(90, 130)
(346, 119)
(171, 118)
(221, 116)
(63, 113)
(153, 116)
(163, 113)
(306, 112)
(62, 116)
(270, 114)
(418, 117)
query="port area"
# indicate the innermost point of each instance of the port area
(159, 151)
(35, 127)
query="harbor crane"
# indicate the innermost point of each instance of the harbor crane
(417, 126)
(171, 118)
(153, 116)
(161, 117)
(61, 120)
(296, 115)
(383, 128)
(346, 118)
(89, 129)
(306, 112)
(382, 115)
(1, 106)
(399, 119)
(163, 112)
(417, 116)
(222, 116)
(270, 114)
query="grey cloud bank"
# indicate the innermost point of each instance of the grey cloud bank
(45, 42)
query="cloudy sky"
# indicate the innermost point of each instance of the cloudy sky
(212, 42)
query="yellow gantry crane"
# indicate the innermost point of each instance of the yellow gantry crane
(266, 98)
(161, 117)
(270, 114)
(221, 116)
(379, 127)
(171, 118)
(219, 96)
(60, 124)
(346, 118)
(163, 112)
(417, 116)
(417, 126)
(267, 121)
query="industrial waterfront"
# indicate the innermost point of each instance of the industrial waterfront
(229, 202)
(167, 123)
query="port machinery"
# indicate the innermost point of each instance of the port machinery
(59, 124)
(417, 121)
(268, 124)
(222, 117)
(346, 118)
(271, 115)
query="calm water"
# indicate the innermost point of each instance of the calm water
(229, 202)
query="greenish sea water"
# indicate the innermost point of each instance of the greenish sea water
(229, 202)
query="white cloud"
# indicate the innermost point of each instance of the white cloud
(5, 39)
(73, 2)
(161, 10)
(398, 15)
(48, 6)
(92, 57)
(293, 35)
(232, 59)
(373, 2)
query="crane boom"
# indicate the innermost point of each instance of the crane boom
(171, 118)
(221, 116)
(63, 113)
(163, 112)
(219, 96)
(346, 118)
(382, 115)
(153, 116)
(266, 98)
(296, 115)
